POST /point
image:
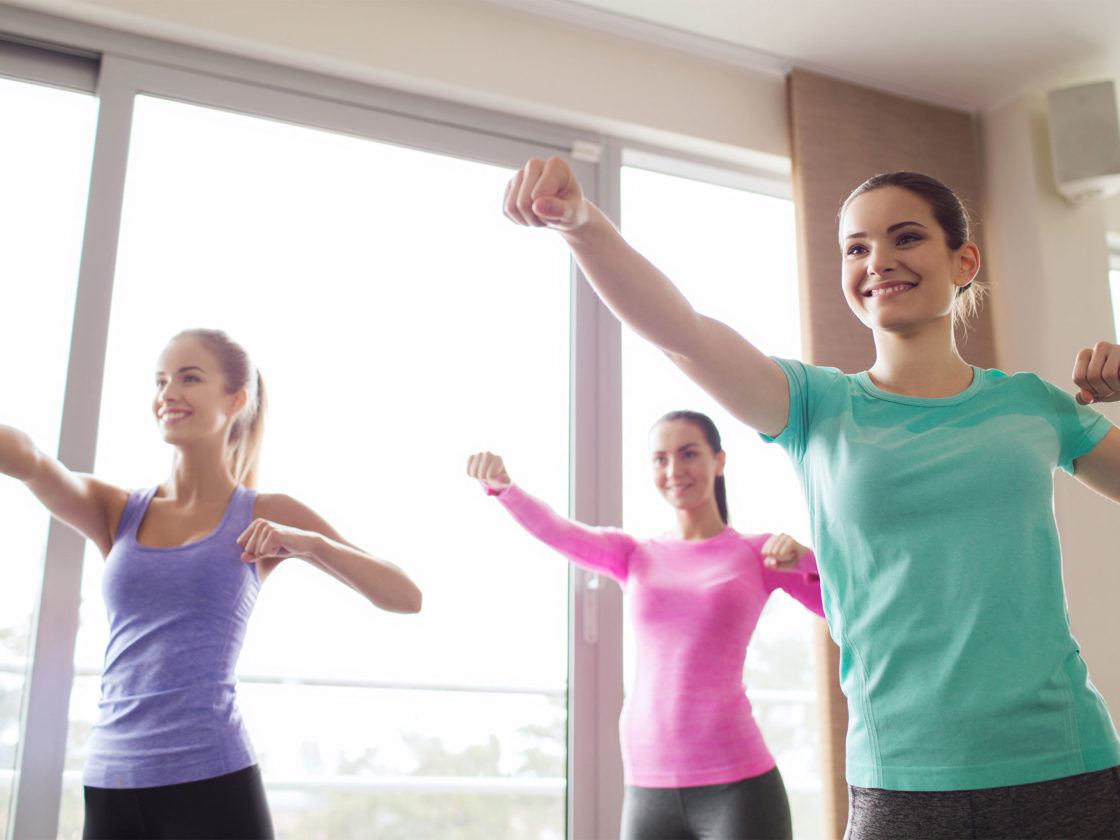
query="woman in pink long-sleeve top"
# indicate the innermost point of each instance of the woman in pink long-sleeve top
(695, 762)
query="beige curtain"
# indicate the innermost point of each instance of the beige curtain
(841, 134)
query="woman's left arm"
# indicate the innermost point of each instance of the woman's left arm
(284, 527)
(1096, 372)
(1099, 469)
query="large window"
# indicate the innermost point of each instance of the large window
(732, 252)
(399, 323)
(351, 239)
(45, 149)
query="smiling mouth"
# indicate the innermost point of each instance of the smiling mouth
(889, 291)
(173, 416)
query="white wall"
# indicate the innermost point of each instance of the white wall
(1112, 214)
(1050, 264)
(486, 55)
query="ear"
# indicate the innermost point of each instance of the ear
(968, 264)
(721, 461)
(237, 401)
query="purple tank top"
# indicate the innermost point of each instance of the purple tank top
(177, 618)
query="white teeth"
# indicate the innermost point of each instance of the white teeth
(888, 289)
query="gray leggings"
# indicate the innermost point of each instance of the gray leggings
(1084, 806)
(744, 810)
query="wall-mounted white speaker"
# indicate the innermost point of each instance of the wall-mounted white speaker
(1085, 140)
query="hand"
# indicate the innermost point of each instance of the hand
(546, 194)
(782, 552)
(1097, 373)
(489, 470)
(265, 540)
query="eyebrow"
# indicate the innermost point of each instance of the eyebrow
(679, 448)
(184, 370)
(891, 229)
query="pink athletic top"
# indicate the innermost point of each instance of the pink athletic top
(694, 604)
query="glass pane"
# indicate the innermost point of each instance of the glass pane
(733, 255)
(46, 148)
(400, 323)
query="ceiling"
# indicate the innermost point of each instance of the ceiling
(971, 54)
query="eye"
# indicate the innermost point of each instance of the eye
(690, 455)
(190, 377)
(908, 238)
(855, 250)
(160, 383)
(659, 460)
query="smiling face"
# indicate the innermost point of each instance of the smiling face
(898, 273)
(684, 465)
(191, 401)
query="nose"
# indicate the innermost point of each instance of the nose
(882, 262)
(166, 394)
(676, 467)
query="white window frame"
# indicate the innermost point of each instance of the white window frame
(118, 66)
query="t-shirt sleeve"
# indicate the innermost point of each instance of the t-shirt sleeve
(803, 582)
(1080, 427)
(807, 386)
(605, 550)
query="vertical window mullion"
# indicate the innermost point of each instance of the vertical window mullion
(595, 676)
(43, 743)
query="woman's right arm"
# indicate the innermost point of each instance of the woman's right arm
(745, 381)
(87, 505)
(604, 550)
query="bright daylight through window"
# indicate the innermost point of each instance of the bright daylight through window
(316, 251)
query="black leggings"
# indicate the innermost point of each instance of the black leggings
(749, 809)
(1082, 806)
(222, 808)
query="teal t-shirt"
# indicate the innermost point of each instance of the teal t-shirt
(941, 576)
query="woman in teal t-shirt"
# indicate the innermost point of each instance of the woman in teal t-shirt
(930, 484)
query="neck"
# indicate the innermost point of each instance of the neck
(200, 474)
(701, 523)
(922, 362)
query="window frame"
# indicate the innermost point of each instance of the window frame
(118, 66)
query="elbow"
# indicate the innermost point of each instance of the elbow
(414, 601)
(407, 602)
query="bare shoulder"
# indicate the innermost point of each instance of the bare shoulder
(288, 510)
(111, 497)
(109, 501)
(279, 507)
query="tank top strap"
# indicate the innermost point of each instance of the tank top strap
(240, 512)
(134, 510)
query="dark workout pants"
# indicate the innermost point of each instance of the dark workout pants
(744, 810)
(1083, 806)
(229, 807)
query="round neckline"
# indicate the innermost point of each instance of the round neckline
(712, 538)
(134, 534)
(864, 379)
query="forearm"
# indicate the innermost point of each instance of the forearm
(384, 584)
(632, 287)
(596, 549)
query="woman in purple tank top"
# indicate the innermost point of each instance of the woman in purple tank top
(170, 756)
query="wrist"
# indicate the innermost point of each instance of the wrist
(314, 548)
(594, 228)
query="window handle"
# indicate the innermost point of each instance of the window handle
(591, 607)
